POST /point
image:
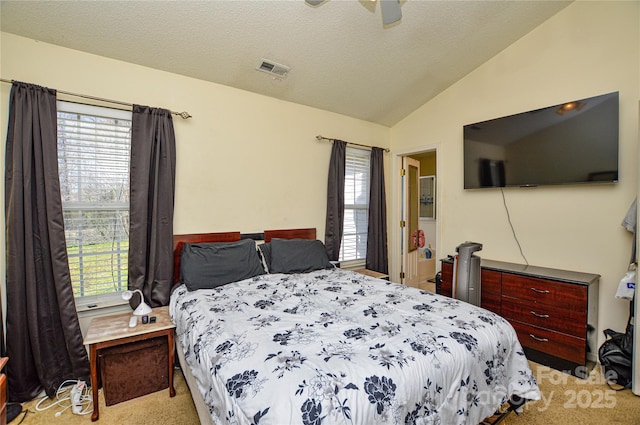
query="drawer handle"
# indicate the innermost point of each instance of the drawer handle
(538, 339)
(541, 316)
(540, 291)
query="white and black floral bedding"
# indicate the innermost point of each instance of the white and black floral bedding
(334, 346)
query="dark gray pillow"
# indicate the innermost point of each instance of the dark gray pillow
(298, 256)
(207, 265)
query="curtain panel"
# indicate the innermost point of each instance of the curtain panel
(377, 256)
(153, 171)
(44, 341)
(335, 200)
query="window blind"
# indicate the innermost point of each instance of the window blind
(356, 208)
(93, 162)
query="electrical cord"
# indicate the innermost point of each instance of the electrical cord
(86, 399)
(23, 416)
(14, 410)
(504, 201)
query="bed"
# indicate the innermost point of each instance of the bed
(328, 345)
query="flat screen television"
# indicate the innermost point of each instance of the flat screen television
(570, 143)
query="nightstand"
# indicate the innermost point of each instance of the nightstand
(3, 392)
(372, 273)
(111, 331)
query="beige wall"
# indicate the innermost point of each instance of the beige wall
(587, 49)
(245, 162)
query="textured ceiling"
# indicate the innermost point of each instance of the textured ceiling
(341, 57)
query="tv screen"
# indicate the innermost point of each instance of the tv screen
(570, 143)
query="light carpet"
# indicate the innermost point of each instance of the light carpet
(566, 400)
(152, 409)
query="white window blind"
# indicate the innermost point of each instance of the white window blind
(356, 205)
(94, 146)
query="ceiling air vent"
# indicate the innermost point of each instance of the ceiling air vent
(275, 69)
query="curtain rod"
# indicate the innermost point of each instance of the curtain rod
(184, 115)
(320, 138)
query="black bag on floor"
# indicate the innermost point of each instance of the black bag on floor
(615, 356)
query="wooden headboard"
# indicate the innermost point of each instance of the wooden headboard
(309, 233)
(180, 240)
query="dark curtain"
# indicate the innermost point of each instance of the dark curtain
(2, 350)
(377, 258)
(335, 200)
(153, 171)
(44, 341)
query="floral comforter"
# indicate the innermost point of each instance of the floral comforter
(334, 346)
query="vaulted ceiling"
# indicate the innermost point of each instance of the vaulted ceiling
(340, 56)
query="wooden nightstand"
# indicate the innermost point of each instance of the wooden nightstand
(114, 330)
(3, 392)
(372, 273)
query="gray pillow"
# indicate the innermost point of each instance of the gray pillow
(298, 256)
(208, 265)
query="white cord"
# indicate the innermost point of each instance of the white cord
(58, 399)
(86, 399)
(504, 201)
(60, 412)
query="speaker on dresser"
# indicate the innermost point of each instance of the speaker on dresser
(466, 273)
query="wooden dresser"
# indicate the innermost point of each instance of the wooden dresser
(554, 312)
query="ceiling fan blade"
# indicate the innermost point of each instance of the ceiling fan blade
(313, 2)
(390, 10)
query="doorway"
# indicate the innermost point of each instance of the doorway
(418, 211)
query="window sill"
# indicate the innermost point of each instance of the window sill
(99, 304)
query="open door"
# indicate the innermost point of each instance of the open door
(409, 223)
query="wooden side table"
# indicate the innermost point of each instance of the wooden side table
(113, 330)
(372, 273)
(3, 392)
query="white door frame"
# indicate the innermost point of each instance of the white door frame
(395, 204)
(635, 367)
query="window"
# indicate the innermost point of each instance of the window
(356, 205)
(93, 160)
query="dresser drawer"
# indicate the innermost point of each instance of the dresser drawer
(491, 290)
(572, 322)
(491, 281)
(491, 301)
(553, 293)
(554, 343)
(446, 279)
